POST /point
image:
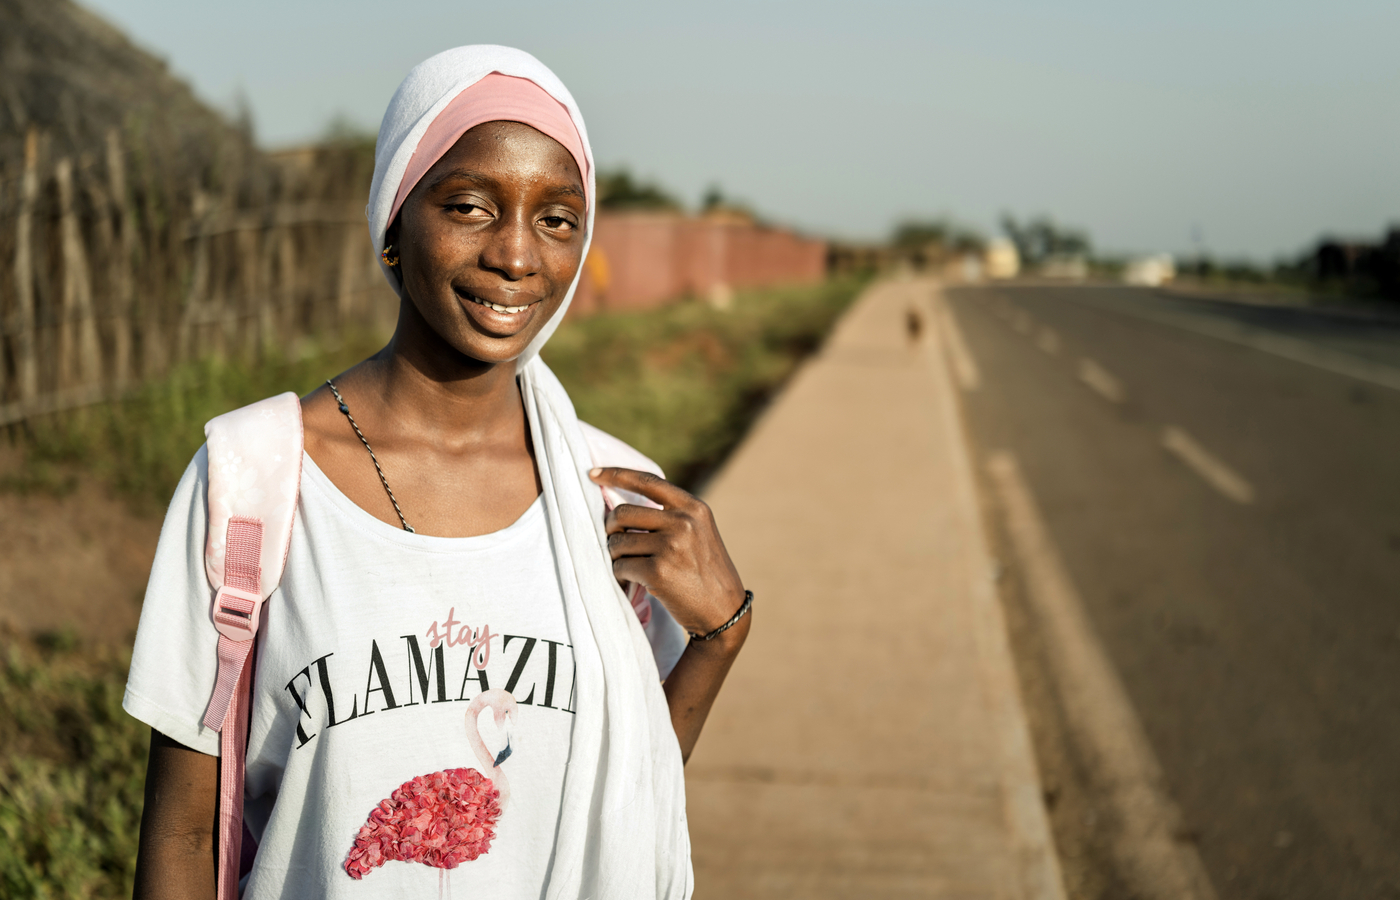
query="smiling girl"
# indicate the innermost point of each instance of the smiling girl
(450, 560)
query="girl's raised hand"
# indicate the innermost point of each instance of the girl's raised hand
(675, 552)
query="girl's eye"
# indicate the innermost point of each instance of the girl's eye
(469, 210)
(556, 222)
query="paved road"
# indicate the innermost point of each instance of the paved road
(1223, 485)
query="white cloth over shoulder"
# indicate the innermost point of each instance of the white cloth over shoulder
(622, 830)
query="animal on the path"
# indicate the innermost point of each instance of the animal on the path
(446, 818)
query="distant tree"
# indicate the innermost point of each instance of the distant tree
(715, 203)
(617, 189)
(916, 235)
(1042, 238)
(342, 129)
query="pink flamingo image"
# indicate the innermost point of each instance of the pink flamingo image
(446, 818)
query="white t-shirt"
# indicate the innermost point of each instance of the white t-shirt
(372, 651)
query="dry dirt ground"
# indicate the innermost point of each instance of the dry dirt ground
(76, 562)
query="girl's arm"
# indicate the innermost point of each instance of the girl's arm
(694, 683)
(677, 554)
(178, 855)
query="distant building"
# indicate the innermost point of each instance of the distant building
(644, 259)
(1001, 259)
(1067, 266)
(1150, 271)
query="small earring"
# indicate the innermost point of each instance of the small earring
(389, 261)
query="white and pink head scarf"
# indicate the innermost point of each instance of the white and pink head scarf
(446, 96)
(622, 827)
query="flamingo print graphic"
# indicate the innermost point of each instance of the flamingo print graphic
(446, 818)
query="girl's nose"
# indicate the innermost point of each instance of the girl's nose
(512, 250)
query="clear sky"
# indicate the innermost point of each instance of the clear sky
(1243, 127)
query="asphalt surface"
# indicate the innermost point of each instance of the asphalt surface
(1223, 484)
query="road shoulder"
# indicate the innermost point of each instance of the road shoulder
(871, 740)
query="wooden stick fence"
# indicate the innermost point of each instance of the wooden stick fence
(115, 274)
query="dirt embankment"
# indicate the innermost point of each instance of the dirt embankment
(77, 562)
(73, 76)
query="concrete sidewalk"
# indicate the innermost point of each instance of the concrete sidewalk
(871, 740)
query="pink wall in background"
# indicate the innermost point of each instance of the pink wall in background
(642, 260)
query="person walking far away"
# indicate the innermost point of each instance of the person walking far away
(462, 643)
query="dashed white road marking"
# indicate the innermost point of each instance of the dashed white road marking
(1158, 864)
(1284, 346)
(1101, 381)
(959, 354)
(1022, 321)
(1048, 341)
(1201, 461)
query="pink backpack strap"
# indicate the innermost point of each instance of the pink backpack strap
(254, 475)
(607, 451)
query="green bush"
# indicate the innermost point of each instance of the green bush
(71, 772)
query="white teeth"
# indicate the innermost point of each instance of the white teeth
(508, 310)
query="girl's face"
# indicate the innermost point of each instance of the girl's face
(490, 239)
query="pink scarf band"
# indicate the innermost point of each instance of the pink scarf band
(495, 98)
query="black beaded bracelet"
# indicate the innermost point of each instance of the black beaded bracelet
(743, 611)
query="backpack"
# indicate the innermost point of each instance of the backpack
(254, 478)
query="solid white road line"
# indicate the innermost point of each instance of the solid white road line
(1158, 865)
(1214, 472)
(1038, 874)
(1048, 341)
(964, 364)
(1101, 381)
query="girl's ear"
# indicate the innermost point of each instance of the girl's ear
(391, 234)
(391, 239)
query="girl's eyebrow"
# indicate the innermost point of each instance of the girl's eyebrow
(565, 190)
(466, 174)
(568, 190)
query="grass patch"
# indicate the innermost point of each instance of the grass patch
(72, 771)
(681, 383)
(142, 444)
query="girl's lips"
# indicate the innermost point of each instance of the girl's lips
(496, 319)
(506, 310)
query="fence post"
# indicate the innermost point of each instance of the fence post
(345, 289)
(289, 318)
(76, 310)
(119, 266)
(26, 365)
(250, 270)
(265, 310)
(199, 276)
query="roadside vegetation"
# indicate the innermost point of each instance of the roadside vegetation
(681, 383)
(72, 770)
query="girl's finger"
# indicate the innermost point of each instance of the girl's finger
(635, 543)
(629, 515)
(653, 487)
(637, 569)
